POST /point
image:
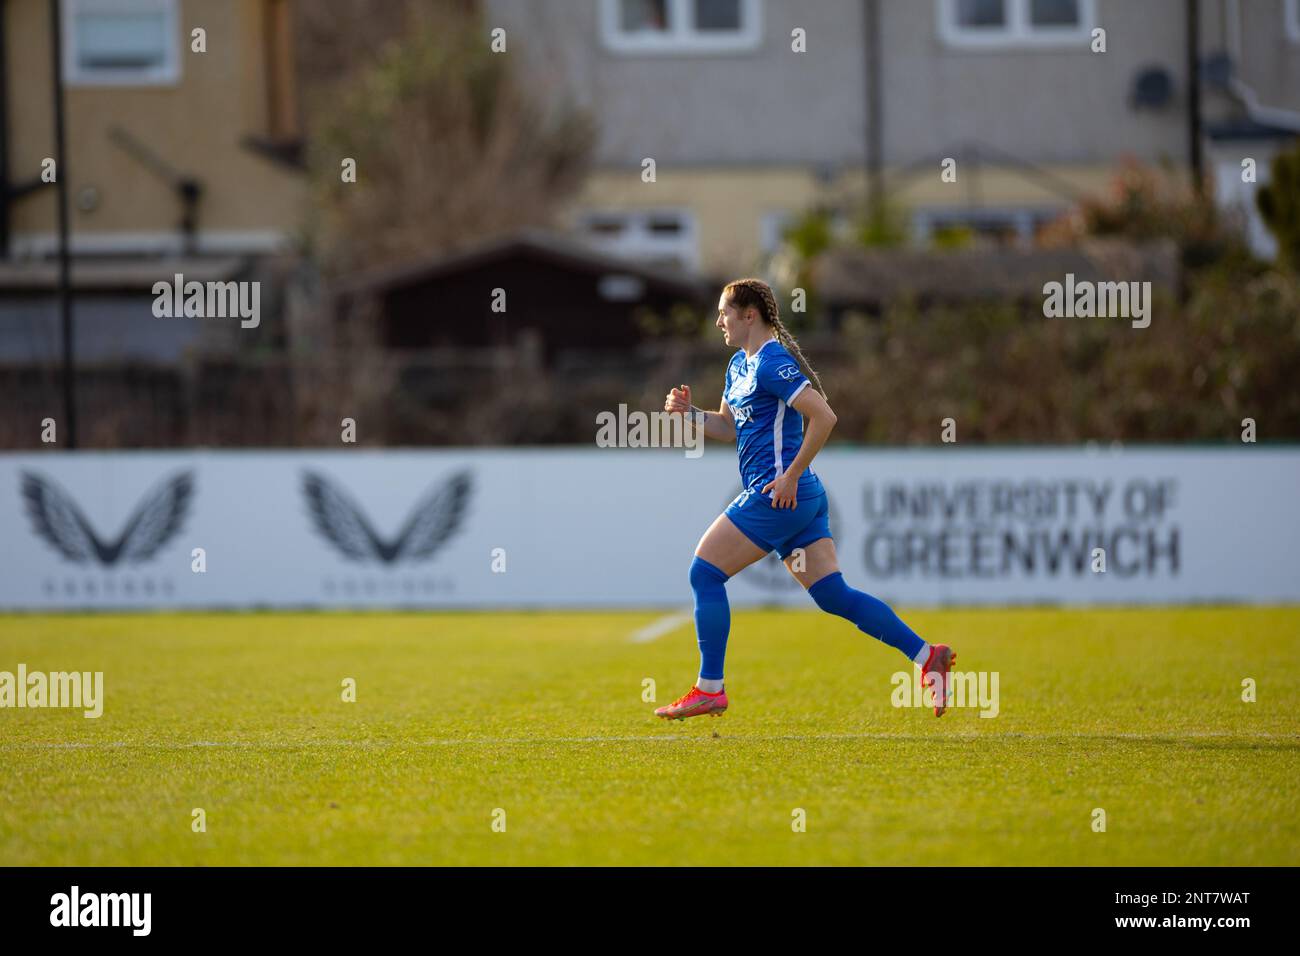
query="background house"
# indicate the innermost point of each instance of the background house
(746, 133)
(177, 161)
(170, 151)
(775, 131)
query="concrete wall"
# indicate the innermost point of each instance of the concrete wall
(1047, 105)
(1043, 105)
(767, 106)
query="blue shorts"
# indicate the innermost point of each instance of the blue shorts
(780, 529)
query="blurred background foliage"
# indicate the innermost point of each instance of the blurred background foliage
(453, 146)
(1223, 347)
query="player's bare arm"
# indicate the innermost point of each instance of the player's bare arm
(818, 422)
(719, 425)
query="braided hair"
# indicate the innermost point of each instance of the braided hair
(743, 293)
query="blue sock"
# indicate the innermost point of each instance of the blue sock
(712, 616)
(868, 613)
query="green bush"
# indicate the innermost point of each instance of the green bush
(1279, 204)
(1230, 351)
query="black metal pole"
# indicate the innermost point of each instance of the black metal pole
(4, 134)
(1195, 155)
(875, 111)
(61, 187)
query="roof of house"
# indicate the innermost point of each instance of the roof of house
(846, 278)
(120, 275)
(561, 251)
(1242, 128)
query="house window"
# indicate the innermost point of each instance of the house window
(1293, 20)
(1017, 227)
(771, 231)
(680, 26)
(120, 43)
(1010, 23)
(655, 237)
(774, 227)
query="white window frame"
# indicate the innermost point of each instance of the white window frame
(637, 243)
(168, 74)
(771, 225)
(681, 37)
(1024, 219)
(1291, 11)
(1018, 32)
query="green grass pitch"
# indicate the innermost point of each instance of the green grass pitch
(1136, 712)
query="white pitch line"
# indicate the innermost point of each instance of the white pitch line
(664, 625)
(663, 738)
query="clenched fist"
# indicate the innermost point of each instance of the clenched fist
(678, 400)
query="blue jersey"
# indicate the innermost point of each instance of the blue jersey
(769, 433)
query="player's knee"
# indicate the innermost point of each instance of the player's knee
(832, 595)
(705, 577)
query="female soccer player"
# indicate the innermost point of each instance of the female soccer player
(782, 506)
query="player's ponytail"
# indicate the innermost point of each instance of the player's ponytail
(743, 293)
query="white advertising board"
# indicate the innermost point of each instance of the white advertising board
(617, 527)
